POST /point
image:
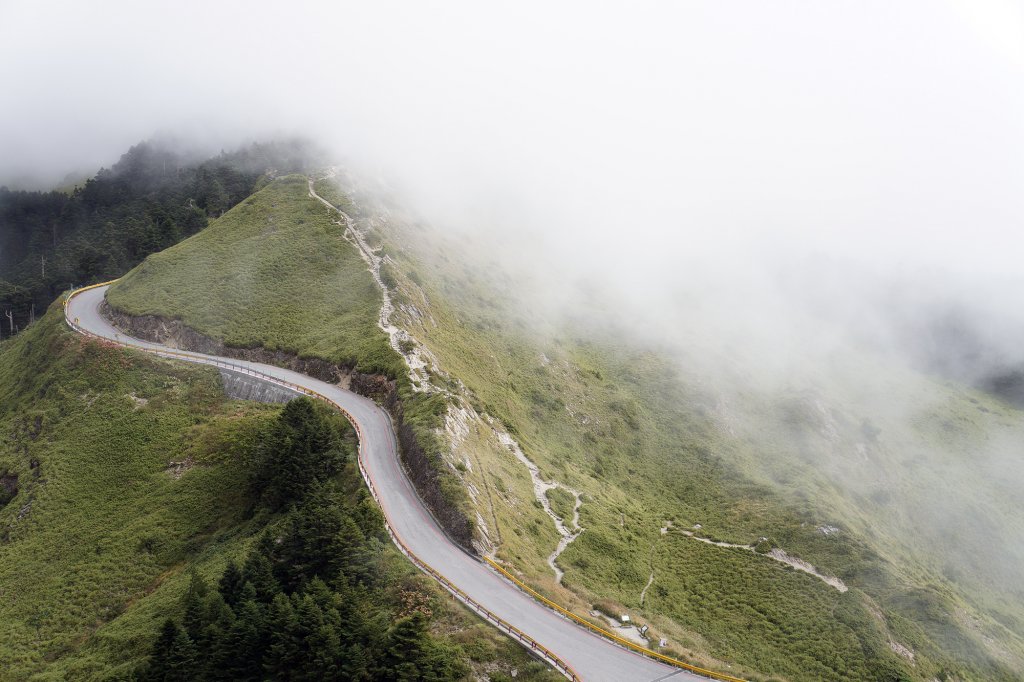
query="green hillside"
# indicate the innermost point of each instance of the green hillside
(646, 444)
(126, 478)
(102, 522)
(276, 273)
(273, 272)
(658, 449)
(831, 474)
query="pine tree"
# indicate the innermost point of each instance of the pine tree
(302, 450)
(230, 585)
(259, 573)
(405, 648)
(182, 659)
(194, 620)
(284, 653)
(356, 664)
(239, 653)
(160, 655)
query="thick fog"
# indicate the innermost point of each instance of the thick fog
(763, 162)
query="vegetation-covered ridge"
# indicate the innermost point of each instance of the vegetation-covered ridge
(150, 199)
(647, 446)
(318, 596)
(275, 279)
(650, 448)
(136, 483)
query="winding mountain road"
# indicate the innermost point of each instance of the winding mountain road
(572, 649)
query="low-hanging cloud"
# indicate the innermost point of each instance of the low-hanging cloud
(782, 179)
(702, 151)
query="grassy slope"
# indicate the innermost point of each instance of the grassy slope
(102, 554)
(275, 271)
(646, 446)
(104, 523)
(610, 419)
(272, 272)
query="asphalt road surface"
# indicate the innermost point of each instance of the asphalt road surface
(594, 658)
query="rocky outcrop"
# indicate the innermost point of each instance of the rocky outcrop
(424, 465)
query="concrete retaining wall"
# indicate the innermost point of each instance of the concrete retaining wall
(245, 387)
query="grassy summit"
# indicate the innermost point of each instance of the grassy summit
(274, 272)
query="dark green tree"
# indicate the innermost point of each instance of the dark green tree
(239, 652)
(303, 450)
(230, 585)
(194, 619)
(174, 656)
(259, 573)
(285, 652)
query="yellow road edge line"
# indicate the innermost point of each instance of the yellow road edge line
(559, 664)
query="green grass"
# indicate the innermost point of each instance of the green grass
(645, 443)
(272, 272)
(562, 504)
(97, 548)
(329, 190)
(100, 523)
(792, 624)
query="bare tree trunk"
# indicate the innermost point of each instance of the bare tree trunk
(10, 319)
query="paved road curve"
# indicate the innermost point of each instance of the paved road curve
(594, 658)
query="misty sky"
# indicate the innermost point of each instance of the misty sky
(658, 138)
